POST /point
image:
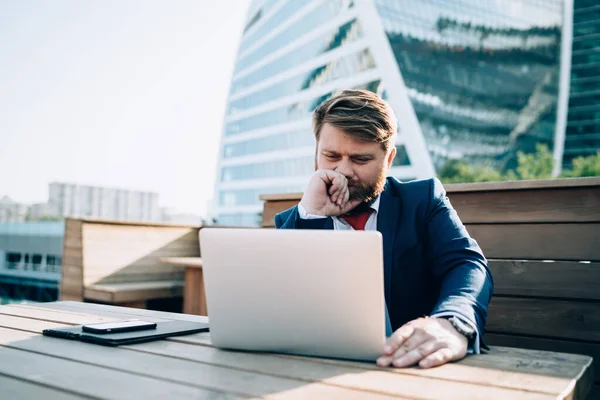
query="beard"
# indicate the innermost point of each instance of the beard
(367, 191)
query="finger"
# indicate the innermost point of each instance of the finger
(416, 355)
(350, 205)
(332, 190)
(343, 197)
(334, 197)
(440, 357)
(384, 361)
(397, 339)
(416, 340)
(328, 176)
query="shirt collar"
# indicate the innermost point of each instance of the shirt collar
(375, 205)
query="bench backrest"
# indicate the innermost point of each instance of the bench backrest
(105, 252)
(542, 239)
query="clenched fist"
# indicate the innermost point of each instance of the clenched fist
(328, 194)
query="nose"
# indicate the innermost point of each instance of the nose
(344, 167)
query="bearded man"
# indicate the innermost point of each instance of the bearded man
(437, 281)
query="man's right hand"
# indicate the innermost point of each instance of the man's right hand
(328, 194)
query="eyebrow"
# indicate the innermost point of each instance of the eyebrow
(356, 155)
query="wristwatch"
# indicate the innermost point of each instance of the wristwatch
(462, 327)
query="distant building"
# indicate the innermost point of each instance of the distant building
(583, 124)
(71, 200)
(41, 212)
(30, 260)
(11, 211)
(475, 80)
(171, 216)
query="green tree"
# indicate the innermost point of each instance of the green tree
(456, 171)
(536, 165)
(584, 166)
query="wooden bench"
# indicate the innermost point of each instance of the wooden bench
(542, 239)
(119, 263)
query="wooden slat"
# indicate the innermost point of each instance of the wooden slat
(26, 324)
(577, 242)
(71, 283)
(194, 298)
(126, 292)
(183, 261)
(275, 207)
(100, 221)
(112, 311)
(563, 346)
(565, 279)
(89, 380)
(549, 318)
(511, 361)
(334, 380)
(200, 375)
(19, 389)
(503, 366)
(50, 315)
(282, 197)
(520, 185)
(577, 204)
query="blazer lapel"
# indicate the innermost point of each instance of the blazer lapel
(328, 223)
(387, 224)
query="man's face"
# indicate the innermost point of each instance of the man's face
(364, 164)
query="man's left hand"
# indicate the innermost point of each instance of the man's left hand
(430, 342)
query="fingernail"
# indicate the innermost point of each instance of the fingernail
(387, 349)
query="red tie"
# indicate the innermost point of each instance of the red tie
(358, 220)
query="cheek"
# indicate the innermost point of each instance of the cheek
(367, 173)
(323, 163)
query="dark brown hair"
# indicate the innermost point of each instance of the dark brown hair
(361, 114)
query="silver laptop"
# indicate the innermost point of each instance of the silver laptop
(306, 292)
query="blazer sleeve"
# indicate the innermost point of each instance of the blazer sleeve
(290, 219)
(457, 263)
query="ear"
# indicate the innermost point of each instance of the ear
(390, 157)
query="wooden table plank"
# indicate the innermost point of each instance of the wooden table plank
(171, 369)
(533, 374)
(90, 380)
(18, 389)
(105, 310)
(27, 324)
(168, 369)
(341, 380)
(364, 376)
(50, 315)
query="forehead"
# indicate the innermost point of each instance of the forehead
(336, 140)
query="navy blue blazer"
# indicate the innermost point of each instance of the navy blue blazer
(431, 264)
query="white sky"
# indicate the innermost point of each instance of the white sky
(120, 93)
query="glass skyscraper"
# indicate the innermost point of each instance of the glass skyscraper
(474, 80)
(583, 125)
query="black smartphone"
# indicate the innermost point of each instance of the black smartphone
(119, 326)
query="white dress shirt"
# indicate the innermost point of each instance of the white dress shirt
(371, 225)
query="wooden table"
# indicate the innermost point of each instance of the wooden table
(194, 297)
(36, 366)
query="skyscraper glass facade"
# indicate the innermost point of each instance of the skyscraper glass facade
(583, 125)
(475, 80)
